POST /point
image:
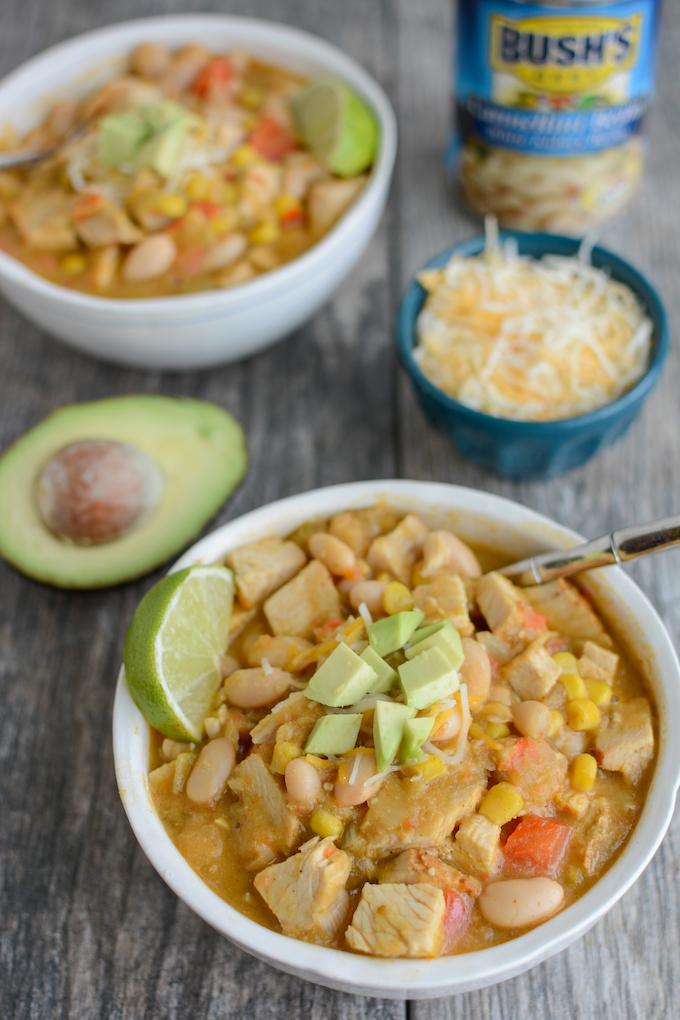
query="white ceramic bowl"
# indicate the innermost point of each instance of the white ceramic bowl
(212, 327)
(492, 521)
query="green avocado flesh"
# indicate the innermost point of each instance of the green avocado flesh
(198, 447)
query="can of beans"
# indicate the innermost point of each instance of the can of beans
(551, 101)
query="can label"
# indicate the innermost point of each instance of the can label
(554, 81)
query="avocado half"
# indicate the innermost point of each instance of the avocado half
(198, 448)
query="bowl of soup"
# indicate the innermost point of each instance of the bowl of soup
(433, 779)
(183, 221)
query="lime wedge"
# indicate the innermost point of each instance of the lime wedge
(173, 647)
(337, 125)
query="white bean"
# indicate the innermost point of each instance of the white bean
(476, 669)
(358, 791)
(302, 781)
(369, 592)
(150, 60)
(531, 718)
(255, 688)
(150, 258)
(210, 773)
(520, 902)
(335, 554)
(224, 252)
(278, 651)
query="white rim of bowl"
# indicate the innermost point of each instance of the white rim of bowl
(403, 978)
(306, 44)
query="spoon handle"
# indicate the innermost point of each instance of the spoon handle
(617, 547)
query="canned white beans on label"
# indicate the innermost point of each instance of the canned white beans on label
(551, 100)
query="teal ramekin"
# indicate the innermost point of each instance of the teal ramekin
(525, 449)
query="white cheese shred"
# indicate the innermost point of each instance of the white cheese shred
(365, 614)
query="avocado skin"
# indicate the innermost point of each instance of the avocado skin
(199, 447)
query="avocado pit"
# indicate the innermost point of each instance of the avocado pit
(96, 490)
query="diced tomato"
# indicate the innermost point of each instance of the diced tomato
(457, 915)
(209, 209)
(293, 218)
(214, 79)
(533, 620)
(526, 749)
(271, 140)
(537, 846)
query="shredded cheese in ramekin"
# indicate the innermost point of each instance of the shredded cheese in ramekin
(531, 339)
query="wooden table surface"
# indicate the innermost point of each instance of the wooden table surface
(87, 928)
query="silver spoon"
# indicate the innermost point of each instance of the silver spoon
(26, 157)
(618, 547)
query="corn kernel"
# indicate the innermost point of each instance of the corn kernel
(223, 223)
(566, 661)
(264, 233)
(317, 762)
(574, 686)
(496, 730)
(324, 824)
(582, 772)
(396, 598)
(583, 714)
(284, 751)
(74, 265)
(287, 205)
(251, 98)
(477, 733)
(199, 188)
(172, 205)
(599, 692)
(501, 803)
(429, 768)
(243, 156)
(556, 722)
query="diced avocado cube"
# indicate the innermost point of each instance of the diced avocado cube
(388, 635)
(429, 628)
(427, 678)
(334, 734)
(387, 677)
(446, 638)
(164, 149)
(416, 732)
(342, 679)
(120, 136)
(388, 727)
(161, 115)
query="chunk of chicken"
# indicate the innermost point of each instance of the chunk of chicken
(507, 614)
(307, 892)
(43, 220)
(303, 603)
(300, 169)
(100, 223)
(445, 553)
(394, 919)
(413, 867)
(260, 186)
(445, 598)
(567, 611)
(397, 551)
(422, 814)
(262, 567)
(329, 198)
(295, 709)
(533, 673)
(499, 651)
(534, 767)
(120, 94)
(602, 831)
(263, 826)
(477, 845)
(597, 663)
(625, 740)
(354, 530)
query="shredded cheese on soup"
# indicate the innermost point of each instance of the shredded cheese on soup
(530, 339)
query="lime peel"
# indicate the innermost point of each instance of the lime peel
(337, 125)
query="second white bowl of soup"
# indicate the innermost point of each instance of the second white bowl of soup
(245, 298)
(558, 823)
